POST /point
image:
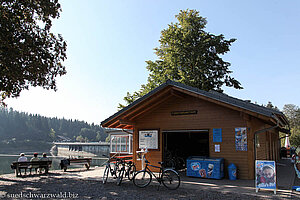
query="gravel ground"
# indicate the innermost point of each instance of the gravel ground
(79, 185)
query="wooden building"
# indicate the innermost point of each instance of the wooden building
(192, 122)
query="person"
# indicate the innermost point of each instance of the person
(268, 175)
(34, 158)
(44, 158)
(22, 158)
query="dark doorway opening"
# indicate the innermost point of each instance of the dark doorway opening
(179, 145)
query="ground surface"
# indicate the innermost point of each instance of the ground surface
(82, 184)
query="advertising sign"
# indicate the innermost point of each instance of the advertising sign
(241, 139)
(265, 172)
(148, 139)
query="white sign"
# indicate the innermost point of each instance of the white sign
(148, 139)
(217, 148)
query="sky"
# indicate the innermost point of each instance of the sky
(109, 42)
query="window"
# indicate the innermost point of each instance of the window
(121, 144)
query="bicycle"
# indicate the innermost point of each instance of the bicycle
(172, 160)
(168, 177)
(128, 168)
(109, 169)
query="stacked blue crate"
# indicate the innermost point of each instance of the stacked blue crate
(198, 166)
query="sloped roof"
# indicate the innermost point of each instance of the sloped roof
(221, 97)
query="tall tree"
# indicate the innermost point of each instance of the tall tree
(30, 55)
(292, 112)
(189, 55)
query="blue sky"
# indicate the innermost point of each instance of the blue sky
(109, 42)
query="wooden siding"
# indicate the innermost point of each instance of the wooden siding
(268, 145)
(209, 116)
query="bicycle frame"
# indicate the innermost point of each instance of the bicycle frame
(112, 170)
(158, 178)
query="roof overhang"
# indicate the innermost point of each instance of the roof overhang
(125, 118)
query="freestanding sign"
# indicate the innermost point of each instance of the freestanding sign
(148, 139)
(265, 171)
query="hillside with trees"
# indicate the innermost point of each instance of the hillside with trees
(23, 131)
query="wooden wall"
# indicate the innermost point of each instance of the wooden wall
(209, 116)
(268, 145)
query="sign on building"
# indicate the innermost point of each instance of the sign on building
(148, 139)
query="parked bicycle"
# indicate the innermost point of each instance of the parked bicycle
(111, 168)
(168, 177)
(173, 160)
(127, 169)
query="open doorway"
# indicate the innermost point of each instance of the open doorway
(179, 145)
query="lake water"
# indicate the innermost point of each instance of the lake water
(6, 160)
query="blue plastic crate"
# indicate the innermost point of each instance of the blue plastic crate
(203, 167)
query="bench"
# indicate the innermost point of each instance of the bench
(17, 166)
(67, 162)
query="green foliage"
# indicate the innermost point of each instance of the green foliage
(98, 136)
(295, 138)
(52, 133)
(270, 105)
(189, 55)
(80, 138)
(292, 112)
(30, 55)
(107, 138)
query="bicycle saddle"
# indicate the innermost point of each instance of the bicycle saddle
(146, 161)
(161, 163)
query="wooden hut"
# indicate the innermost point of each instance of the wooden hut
(192, 122)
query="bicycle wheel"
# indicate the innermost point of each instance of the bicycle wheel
(120, 176)
(170, 179)
(131, 171)
(105, 174)
(142, 179)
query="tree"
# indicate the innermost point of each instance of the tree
(80, 138)
(98, 136)
(189, 55)
(30, 55)
(52, 134)
(292, 112)
(270, 105)
(88, 133)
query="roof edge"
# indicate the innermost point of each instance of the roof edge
(221, 97)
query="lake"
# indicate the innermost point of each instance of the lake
(7, 159)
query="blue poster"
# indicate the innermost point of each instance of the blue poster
(265, 174)
(217, 135)
(241, 139)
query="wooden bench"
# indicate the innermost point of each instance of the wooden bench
(75, 161)
(17, 166)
